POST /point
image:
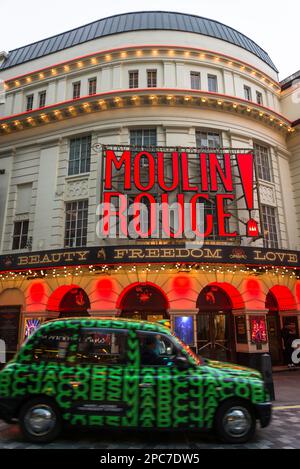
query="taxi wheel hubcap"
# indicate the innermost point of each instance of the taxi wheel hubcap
(40, 420)
(237, 421)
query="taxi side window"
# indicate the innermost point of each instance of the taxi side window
(52, 346)
(156, 349)
(100, 346)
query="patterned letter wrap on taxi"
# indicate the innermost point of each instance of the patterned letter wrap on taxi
(171, 399)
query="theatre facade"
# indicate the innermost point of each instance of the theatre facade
(153, 108)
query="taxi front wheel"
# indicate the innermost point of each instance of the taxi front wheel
(235, 422)
(40, 420)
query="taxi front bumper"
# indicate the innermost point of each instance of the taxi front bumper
(264, 413)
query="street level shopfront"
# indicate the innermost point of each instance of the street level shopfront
(229, 306)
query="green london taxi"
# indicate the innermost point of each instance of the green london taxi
(117, 373)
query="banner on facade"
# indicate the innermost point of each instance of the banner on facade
(150, 254)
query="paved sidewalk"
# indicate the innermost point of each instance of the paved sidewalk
(287, 387)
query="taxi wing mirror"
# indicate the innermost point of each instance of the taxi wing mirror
(182, 363)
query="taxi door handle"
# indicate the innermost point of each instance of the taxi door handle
(145, 385)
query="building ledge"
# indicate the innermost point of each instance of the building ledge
(118, 99)
(128, 54)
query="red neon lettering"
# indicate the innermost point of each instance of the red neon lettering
(208, 218)
(224, 174)
(150, 171)
(245, 165)
(136, 215)
(110, 160)
(222, 215)
(203, 168)
(110, 215)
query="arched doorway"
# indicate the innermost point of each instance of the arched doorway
(143, 301)
(215, 327)
(280, 304)
(12, 300)
(274, 328)
(69, 301)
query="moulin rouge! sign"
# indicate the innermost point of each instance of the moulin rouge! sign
(176, 189)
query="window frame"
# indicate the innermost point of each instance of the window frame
(77, 156)
(194, 75)
(259, 98)
(209, 132)
(76, 89)
(81, 232)
(104, 330)
(93, 83)
(210, 76)
(141, 333)
(270, 243)
(152, 81)
(42, 98)
(133, 79)
(35, 339)
(29, 102)
(263, 163)
(143, 136)
(248, 93)
(21, 235)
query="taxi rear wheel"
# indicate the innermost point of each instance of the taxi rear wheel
(235, 422)
(40, 420)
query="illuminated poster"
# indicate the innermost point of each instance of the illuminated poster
(258, 330)
(31, 325)
(184, 329)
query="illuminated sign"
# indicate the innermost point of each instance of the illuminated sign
(258, 329)
(31, 325)
(145, 254)
(206, 193)
(184, 328)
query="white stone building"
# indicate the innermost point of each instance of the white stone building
(151, 78)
